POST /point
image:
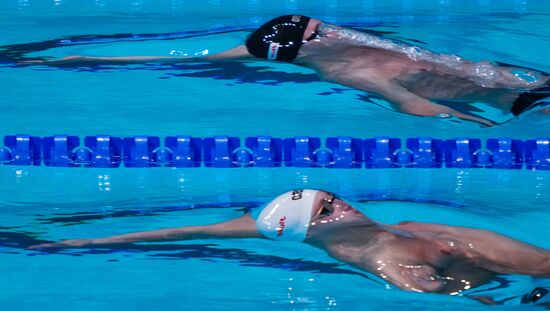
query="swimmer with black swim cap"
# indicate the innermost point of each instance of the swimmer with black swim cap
(413, 256)
(280, 38)
(411, 79)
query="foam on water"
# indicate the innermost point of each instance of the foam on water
(484, 73)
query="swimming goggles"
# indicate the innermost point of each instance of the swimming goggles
(328, 207)
(316, 34)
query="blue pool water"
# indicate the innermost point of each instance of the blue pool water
(45, 203)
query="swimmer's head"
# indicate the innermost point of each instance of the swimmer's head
(287, 217)
(280, 38)
(300, 214)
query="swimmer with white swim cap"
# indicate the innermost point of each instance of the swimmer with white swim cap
(413, 256)
(287, 217)
(411, 79)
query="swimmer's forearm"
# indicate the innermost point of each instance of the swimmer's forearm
(186, 233)
(164, 235)
(216, 231)
(242, 227)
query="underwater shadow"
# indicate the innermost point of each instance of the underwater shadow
(18, 242)
(69, 219)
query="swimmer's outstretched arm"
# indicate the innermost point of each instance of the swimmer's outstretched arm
(405, 101)
(242, 227)
(237, 53)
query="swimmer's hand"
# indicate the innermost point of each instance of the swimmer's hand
(64, 244)
(453, 117)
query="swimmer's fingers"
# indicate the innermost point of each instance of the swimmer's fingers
(455, 118)
(481, 121)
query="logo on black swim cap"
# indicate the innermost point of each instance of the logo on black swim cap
(278, 39)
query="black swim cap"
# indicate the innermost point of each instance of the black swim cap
(279, 39)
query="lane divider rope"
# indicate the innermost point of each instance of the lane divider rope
(265, 151)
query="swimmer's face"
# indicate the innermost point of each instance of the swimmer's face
(330, 212)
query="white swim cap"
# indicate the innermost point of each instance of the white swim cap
(287, 217)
